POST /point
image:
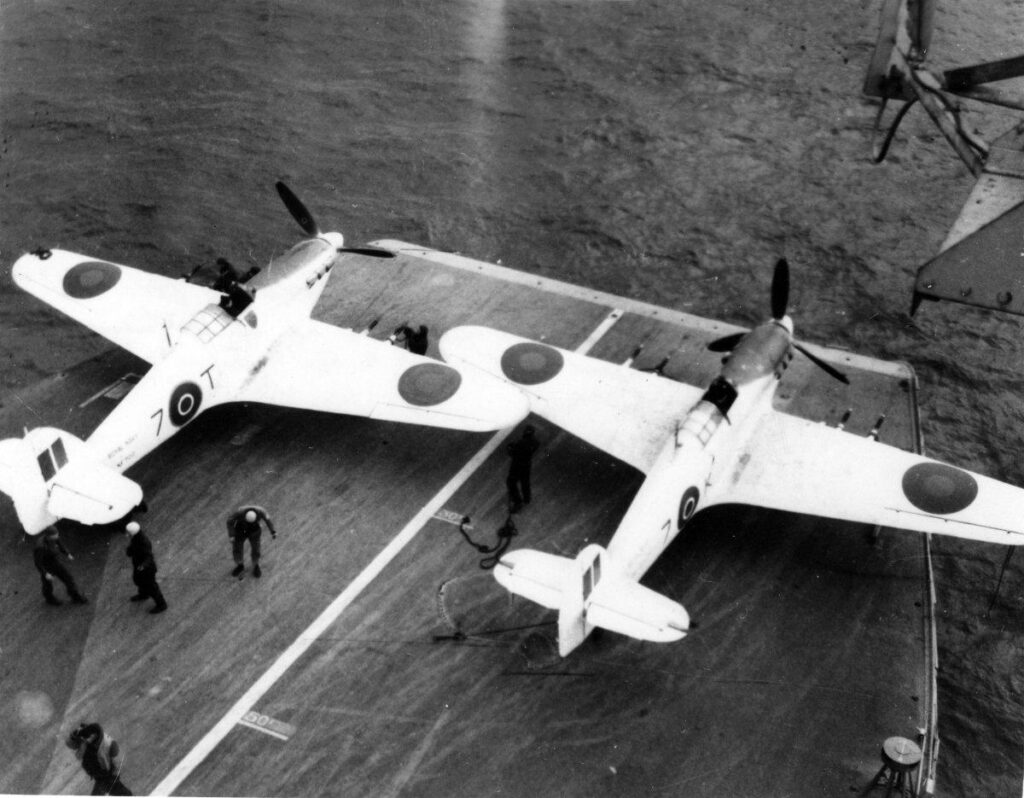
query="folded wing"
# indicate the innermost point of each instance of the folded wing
(138, 311)
(804, 467)
(625, 412)
(317, 366)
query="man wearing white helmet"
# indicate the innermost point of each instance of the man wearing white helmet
(243, 525)
(143, 568)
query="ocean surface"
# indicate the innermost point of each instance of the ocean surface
(659, 149)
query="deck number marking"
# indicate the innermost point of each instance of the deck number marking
(267, 725)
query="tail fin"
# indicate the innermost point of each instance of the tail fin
(587, 592)
(51, 474)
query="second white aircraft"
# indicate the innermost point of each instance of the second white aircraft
(702, 447)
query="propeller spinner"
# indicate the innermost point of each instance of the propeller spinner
(300, 213)
(780, 301)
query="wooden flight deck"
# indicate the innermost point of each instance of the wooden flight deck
(377, 657)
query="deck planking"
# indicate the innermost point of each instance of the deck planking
(812, 645)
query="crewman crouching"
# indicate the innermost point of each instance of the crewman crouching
(98, 753)
(243, 525)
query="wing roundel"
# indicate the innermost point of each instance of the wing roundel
(90, 278)
(938, 488)
(428, 384)
(138, 311)
(530, 363)
(318, 366)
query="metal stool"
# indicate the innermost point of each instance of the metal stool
(900, 757)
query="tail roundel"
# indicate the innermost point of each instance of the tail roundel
(588, 592)
(50, 474)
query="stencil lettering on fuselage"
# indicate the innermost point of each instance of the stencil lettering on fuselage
(90, 279)
(529, 363)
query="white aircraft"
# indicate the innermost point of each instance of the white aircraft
(254, 343)
(699, 448)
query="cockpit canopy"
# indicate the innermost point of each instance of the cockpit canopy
(721, 393)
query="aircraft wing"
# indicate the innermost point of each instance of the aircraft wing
(806, 467)
(138, 311)
(625, 412)
(317, 366)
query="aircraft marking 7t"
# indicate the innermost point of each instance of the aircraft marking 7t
(253, 343)
(698, 448)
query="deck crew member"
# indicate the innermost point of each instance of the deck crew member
(143, 568)
(520, 453)
(416, 341)
(98, 753)
(47, 559)
(227, 276)
(243, 525)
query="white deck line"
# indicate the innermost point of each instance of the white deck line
(893, 368)
(243, 705)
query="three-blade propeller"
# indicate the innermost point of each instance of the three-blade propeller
(300, 213)
(779, 302)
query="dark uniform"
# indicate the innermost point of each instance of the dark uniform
(241, 529)
(416, 341)
(518, 481)
(47, 559)
(98, 752)
(226, 277)
(144, 569)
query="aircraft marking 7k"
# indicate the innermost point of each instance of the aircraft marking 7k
(254, 343)
(698, 448)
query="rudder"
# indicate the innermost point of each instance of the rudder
(51, 474)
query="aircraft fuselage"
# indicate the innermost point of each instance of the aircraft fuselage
(697, 453)
(215, 353)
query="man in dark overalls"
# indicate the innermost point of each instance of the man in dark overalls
(416, 341)
(98, 753)
(144, 568)
(520, 453)
(243, 525)
(47, 559)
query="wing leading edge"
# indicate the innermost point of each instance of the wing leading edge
(622, 411)
(806, 467)
(317, 366)
(138, 311)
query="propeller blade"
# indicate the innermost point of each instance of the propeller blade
(298, 211)
(780, 289)
(726, 344)
(370, 252)
(829, 369)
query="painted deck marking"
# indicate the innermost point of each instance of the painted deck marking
(267, 725)
(243, 706)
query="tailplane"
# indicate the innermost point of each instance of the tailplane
(588, 593)
(51, 474)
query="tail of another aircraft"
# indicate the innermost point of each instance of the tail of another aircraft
(51, 474)
(588, 593)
